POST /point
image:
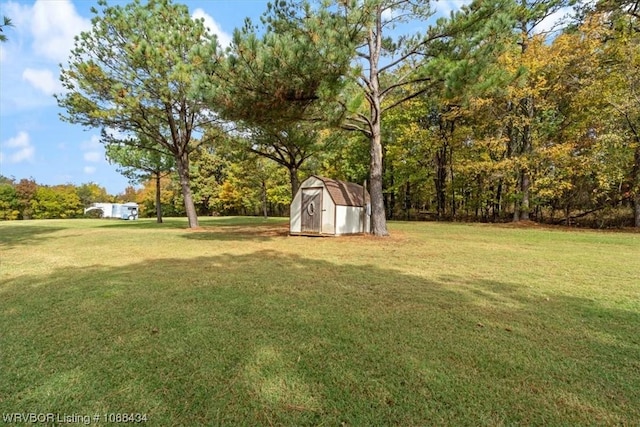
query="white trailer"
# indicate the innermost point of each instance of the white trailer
(116, 210)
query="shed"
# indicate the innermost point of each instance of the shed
(324, 206)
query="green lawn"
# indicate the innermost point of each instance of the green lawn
(240, 324)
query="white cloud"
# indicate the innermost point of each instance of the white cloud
(445, 7)
(93, 156)
(388, 14)
(24, 154)
(19, 141)
(553, 21)
(92, 144)
(20, 15)
(223, 38)
(53, 26)
(42, 80)
(41, 37)
(117, 134)
(92, 152)
(22, 149)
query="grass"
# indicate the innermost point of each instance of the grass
(240, 324)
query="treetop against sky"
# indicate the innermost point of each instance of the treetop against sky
(34, 142)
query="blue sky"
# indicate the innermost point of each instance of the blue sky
(34, 142)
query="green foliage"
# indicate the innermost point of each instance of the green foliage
(136, 162)
(252, 184)
(348, 158)
(279, 84)
(207, 175)
(92, 193)
(283, 75)
(59, 201)
(27, 199)
(8, 201)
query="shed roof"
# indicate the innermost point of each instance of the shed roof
(345, 193)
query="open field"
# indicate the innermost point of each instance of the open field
(240, 324)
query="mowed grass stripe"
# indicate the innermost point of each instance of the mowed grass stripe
(239, 323)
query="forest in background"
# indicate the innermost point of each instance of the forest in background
(495, 122)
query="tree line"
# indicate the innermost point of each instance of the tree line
(482, 115)
(220, 186)
(26, 199)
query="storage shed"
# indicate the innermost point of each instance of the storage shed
(324, 206)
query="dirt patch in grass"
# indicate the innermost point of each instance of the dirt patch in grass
(279, 230)
(282, 230)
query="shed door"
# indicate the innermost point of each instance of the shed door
(311, 210)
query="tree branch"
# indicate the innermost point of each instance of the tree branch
(406, 98)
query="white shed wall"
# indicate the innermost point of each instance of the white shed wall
(295, 221)
(348, 219)
(328, 213)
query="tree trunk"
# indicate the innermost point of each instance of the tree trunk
(635, 182)
(440, 181)
(378, 218)
(182, 165)
(516, 207)
(158, 201)
(452, 175)
(497, 203)
(525, 186)
(407, 201)
(390, 199)
(391, 205)
(527, 148)
(264, 199)
(293, 179)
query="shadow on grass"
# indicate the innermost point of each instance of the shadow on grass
(182, 223)
(21, 234)
(276, 339)
(143, 224)
(215, 228)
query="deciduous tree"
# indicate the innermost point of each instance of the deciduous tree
(379, 53)
(8, 201)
